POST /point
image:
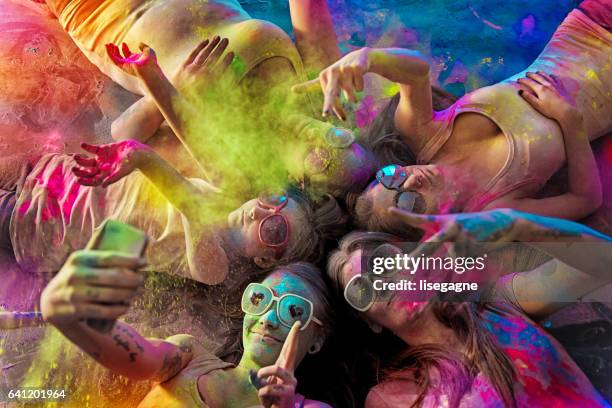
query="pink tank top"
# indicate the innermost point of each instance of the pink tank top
(579, 54)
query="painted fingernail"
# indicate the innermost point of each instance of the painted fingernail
(520, 92)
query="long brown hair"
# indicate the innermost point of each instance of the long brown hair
(383, 139)
(325, 221)
(483, 353)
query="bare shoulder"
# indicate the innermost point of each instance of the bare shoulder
(188, 344)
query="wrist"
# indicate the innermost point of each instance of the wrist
(374, 57)
(570, 117)
(142, 155)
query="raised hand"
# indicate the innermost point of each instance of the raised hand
(110, 162)
(547, 95)
(462, 230)
(345, 75)
(500, 225)
(132, 63)
(281, 383)
(204, 66)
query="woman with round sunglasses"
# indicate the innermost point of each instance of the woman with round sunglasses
(64, 198)
(488, 353)
(497, 146)
(290, 305)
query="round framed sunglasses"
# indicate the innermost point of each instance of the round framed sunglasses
(359, 292)
(392, 177)
(319, 158)
(257, 299)
(273, 230)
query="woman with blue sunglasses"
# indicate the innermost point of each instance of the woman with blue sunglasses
(497, 146)
(287, 317)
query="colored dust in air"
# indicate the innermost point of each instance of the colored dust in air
(52, 99)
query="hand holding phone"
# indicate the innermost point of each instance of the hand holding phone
(115, 236)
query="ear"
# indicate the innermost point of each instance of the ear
(317, 345)
(265, 262)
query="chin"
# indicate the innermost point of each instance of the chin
(263, 355)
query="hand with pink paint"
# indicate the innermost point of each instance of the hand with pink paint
(111, 162)
(204, 62)
(132, 63)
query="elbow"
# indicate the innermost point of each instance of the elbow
(212, 275)
(210, 278)
(596, 200)
(593, 201)
(421, 66)
(117, 130)
(589, 204)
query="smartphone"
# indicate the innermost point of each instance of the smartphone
(113, 235)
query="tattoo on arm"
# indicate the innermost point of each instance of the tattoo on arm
(130, 345)
(173, 363)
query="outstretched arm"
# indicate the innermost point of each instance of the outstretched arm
(315, 37)
(206, 258)
(195, 76)
(100, 285)
(415, 109)
(405, 67)
(583, 255)
(547, 95)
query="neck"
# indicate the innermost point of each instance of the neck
(247, 364)
(427, 329)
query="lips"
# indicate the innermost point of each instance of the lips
(267, 338)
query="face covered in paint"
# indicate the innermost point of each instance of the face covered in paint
(263, 335)
(419, 189)
(265, 229)
(391, 310)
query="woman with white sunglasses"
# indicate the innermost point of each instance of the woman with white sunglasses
(287, 317)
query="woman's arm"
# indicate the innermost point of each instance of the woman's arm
(139, 122)
(583, 256)
(548, 96)
(315, 37)
(206, 258)
(550, 287)
(198, 73)
(405, 67)
(99, 285)
(411, 71)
